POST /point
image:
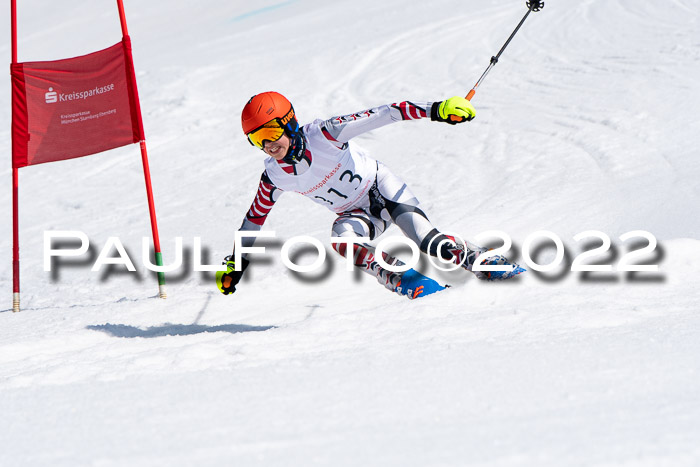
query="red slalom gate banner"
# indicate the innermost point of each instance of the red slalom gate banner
(75, 107)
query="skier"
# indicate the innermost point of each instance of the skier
(320, 162)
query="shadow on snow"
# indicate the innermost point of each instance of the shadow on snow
(123, 330)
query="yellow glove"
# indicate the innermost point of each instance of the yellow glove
(226, 281)
(453, 110)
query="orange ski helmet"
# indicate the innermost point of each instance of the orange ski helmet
(267, 116)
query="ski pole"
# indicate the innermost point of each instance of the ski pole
(532, 5)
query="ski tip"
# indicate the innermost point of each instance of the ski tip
(492, 276)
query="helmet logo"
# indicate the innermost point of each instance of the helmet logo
(288, 117)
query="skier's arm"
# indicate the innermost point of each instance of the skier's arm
(261, 206)
(264, 200)
(343, 128)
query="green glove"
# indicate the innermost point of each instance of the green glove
(226, 281)
(453, 110)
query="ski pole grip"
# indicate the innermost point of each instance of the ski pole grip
(470, 95)
(456, 118)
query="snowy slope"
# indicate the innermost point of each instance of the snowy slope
(588, 122)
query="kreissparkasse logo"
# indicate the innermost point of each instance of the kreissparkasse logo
(51, 96)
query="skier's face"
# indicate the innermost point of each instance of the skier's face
(277, 149)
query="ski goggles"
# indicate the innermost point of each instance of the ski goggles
(271, 131)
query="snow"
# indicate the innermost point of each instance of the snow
(588, 122)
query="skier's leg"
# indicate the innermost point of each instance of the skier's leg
(359, 223)
(392, 200)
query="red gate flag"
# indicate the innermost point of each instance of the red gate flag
(70, 108)
(74, 107)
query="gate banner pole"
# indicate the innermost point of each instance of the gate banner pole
(15, 184)
(15, 241)
(146, 171)
(154, 225)
(122, 17)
